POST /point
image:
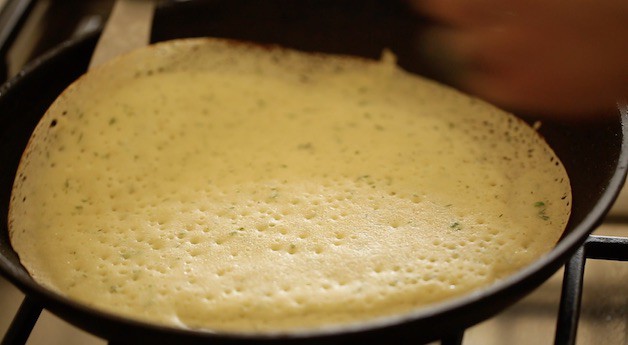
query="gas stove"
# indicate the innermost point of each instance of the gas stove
(548, 315)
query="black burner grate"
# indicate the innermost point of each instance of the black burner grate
(596, 247)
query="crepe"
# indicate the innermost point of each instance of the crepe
(222, 186)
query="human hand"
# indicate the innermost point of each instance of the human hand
(549, 57)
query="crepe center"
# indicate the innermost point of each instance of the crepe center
(238, 201)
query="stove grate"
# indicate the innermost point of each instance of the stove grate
(595, 247)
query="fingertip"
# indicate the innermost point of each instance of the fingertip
(539, 101)
(443, 55)
(457, 13)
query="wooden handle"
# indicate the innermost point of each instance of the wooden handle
(127, 28)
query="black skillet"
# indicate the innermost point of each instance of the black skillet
(595, 156)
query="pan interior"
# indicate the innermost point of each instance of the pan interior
(213, 185)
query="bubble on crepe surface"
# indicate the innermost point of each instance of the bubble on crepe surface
(213, 185)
